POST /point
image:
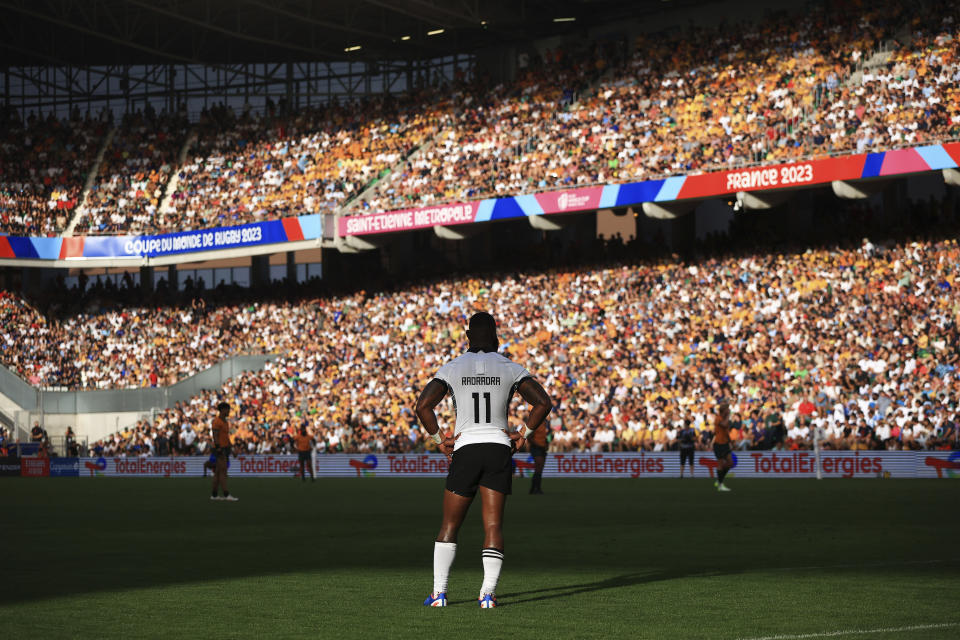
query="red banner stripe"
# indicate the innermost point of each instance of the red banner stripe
(71, 248)
(292, 228)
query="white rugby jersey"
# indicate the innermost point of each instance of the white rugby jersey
(482, 385)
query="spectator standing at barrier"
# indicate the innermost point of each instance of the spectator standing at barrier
(777, 429)
(36, 433)
(70, 443)
(187, 437)
(173, 437)
(221, 439)
(688, 438)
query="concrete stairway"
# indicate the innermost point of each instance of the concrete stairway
(174, 181)
(88, 185)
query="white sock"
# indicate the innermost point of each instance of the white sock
(492, 561)
(443, 555)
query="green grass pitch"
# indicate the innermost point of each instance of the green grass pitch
(131, 558)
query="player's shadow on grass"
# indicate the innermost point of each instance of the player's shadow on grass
(617, 582)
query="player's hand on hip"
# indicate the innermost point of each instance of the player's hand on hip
(516, 440)
(446, 447)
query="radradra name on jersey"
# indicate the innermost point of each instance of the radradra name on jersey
(482, 385)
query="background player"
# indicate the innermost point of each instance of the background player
(721, 445)
(538, 449)
(482, 383)
(304, 443)
(688, 438)
(221, 443)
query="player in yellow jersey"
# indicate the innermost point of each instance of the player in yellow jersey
(721, 445)
(221, 444)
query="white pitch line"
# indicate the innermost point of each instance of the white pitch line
(857, 632)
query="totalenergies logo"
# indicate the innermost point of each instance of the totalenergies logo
(96, 468)
(365, 467)
(711, 463)
(519, 466)
(950, 466)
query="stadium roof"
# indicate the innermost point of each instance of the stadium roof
(99, 32)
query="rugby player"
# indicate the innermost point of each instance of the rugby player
(482, 383)
(221, 444)
(304, 443)
(721, 445)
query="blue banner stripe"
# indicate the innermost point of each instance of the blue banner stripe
(671, 188)
(506, 208)
(609, 196)
(22, 247)
(936, 157)
(636, 192)
(311, 226)
(47, 248)
(529, 205)
(871, 168)
(485, 210)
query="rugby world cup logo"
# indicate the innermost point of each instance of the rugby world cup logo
(563, 201)
(365, 467)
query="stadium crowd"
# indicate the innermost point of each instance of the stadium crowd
(44, 163)
(249, 168)
(711, 99)
(134, 173)
(861, 342)
(783, 88)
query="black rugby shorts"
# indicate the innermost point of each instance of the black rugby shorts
(484, 464)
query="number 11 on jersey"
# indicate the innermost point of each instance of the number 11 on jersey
(476, 406)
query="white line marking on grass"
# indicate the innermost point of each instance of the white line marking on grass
(857, 632)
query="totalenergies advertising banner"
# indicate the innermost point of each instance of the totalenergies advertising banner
(192, 466)
(748, 464)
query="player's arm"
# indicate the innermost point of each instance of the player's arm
(541, 405)
(427, 403)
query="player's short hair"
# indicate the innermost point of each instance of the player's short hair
(482, 322)
(222, 406)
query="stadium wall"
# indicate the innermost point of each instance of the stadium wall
(750, 464)
(95, 414)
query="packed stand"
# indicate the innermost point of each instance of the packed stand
(44, 163)
(862, 342)
(134, 173)
(913, 100)
(136, 346)
(708, 99)
(249, 168)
